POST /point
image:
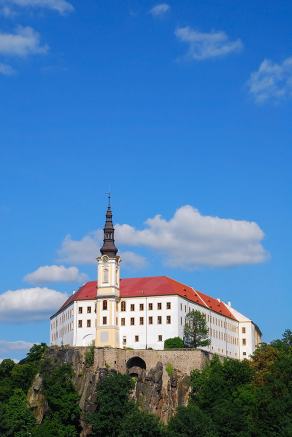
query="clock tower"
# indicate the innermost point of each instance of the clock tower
(108, 288)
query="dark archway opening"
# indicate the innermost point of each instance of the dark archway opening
(135, 366)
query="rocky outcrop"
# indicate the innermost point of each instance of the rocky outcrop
(37, 400)
(159, 389)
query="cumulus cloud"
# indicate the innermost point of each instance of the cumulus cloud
(29, 304)
(159, 9)
(86, 250)
(133, 261)
(61, 6)
(203, 45)
(188, 240)
(6, 70)
(7, 348)
(45, 274)
(82, 251)
(25, 41)
(271, 81)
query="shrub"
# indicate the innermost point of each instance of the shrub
(169, 369)
(89, 356)
(174, 343)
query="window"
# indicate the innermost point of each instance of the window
(105, 275)
(181, 320)
(159, 306)
(104, 320)
(243, 330)
(141, 307)
(136, 338)
(150, 306)
(159, 320)
(124, 340)
(243, 353)
(104, 304)
(132, 321)
(150, 320)
(88, 323)
(159, 337)
(244, 341)
(123, 321)
(168, 305)
(185, 308)
(123, 306)
(132, 307)
(141, 320)
(181, 306)
(79, 323)
(168, 320)
(88, 310)
(80, 310)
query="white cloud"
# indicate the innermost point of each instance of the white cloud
(271, 81)
(6, 347)
(6, 70)
(159, 9)
(30, 304)
(82, 251)
(133, 261)
(203, 46)
(45, 274)
(188, 240)
(86, 250)
(61, 6)
(25, 41)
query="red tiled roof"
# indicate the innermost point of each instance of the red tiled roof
(153, 286)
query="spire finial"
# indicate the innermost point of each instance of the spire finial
(109, 195)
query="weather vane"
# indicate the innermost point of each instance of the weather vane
(109, 198)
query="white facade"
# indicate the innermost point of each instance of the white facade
(146, 322)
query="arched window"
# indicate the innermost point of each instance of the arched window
(105, 275)
(104, 304)
(123, 306)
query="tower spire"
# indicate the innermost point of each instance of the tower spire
(109, 248)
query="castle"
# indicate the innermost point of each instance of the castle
(141, 313)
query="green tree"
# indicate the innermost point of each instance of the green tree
(191, 421)
(16, 419)
(224, 391)
(35, 354)
(174, 343)
(63, 400)
(6, 367)
(112, 396)
(139, 424)
(196, 333)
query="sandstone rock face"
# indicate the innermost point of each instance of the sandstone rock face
(36, 399)
(162, 382)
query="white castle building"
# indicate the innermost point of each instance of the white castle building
(142, 313)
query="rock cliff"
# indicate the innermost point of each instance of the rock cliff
(161, 381)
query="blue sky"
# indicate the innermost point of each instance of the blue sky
(183, 109)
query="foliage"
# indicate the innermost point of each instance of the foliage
(169, 369)
(112, 404)
(16, 418)
(89, 356)
(139, 424)
(191, 421)
(60, 394)
(35, 354)
(174, 343)
(53, 427)
(196, 333)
